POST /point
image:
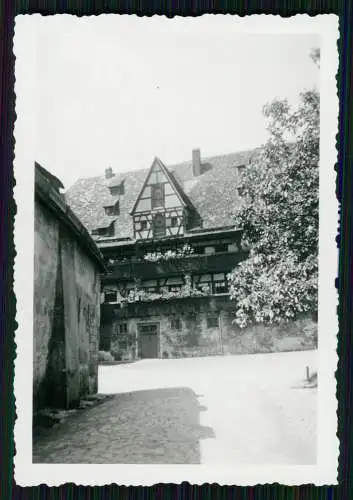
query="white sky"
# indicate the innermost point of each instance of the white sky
(119, 90)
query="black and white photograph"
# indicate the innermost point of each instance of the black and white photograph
(176, 256)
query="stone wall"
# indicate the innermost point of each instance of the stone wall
(88, 296)
(207, 328)
(66, 315)
(46, 261)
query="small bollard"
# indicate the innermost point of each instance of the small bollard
(307, 373)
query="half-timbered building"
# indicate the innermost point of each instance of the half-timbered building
(169, 241)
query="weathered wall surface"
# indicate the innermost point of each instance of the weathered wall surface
(46, 258)
(88, 307)
(197, 337)
(293, 336)
(66, 315)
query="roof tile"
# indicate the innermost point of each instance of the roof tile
(213, 193)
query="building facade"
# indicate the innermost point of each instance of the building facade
(167, 237)
(67, 270)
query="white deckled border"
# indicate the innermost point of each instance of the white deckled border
(325, 472)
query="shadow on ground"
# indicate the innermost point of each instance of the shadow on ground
(151, 426)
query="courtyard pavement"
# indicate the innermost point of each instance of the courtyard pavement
(249, 409)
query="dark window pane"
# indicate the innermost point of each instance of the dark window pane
(113, 210)
(212, 322)
(110, 296)
(122, 328)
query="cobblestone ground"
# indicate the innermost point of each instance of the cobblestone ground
(234, 409)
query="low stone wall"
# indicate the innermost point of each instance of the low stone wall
(292, 336)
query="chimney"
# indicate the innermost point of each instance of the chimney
(109, 173)
(196, 162)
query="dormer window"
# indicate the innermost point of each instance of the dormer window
(104, 231)
(117, 190)
(101, 231)
(112, 209)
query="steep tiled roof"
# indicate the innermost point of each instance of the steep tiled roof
(213, 193)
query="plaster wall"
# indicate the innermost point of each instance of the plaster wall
(66, 315)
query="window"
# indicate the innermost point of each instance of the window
(204, 283)
(175, 324)
(220, 284)
(220, 287)
(148, 329)
(110, 296)
(212, 322)
(174, 284)
(159, 225)
(157, 176)
(233, 247)
(143, 225)
(174, 221)
(117, 190)
(122, 328)
(209, 250)
(157, 193)
(221, 248)
(104, 231)
(112, 210)
(199, 250)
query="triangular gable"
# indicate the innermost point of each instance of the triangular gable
(163, 176)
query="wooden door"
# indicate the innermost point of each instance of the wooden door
(149, 340)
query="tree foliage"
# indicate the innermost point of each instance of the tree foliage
(280, 217)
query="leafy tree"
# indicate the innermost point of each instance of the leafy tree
(280, 217)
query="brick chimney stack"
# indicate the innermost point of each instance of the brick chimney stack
(196, 162)
(109, 173)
